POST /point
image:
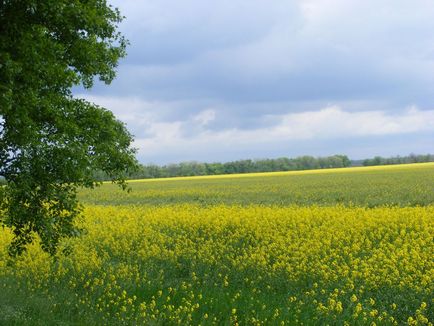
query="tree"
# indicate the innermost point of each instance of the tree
(50, 142)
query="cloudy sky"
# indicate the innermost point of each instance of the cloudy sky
(231, 79)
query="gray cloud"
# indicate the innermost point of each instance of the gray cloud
(252, 63)
(289, 50)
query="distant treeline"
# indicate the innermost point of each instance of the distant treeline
(240, 166)
(262, 165)
(412, 158)
(184, 169)
(268, 165)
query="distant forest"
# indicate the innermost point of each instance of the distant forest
(412, 158)
(266, 165)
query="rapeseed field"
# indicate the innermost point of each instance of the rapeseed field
(400, 185)
(349, 247)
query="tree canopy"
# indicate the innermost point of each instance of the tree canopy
(51, 142)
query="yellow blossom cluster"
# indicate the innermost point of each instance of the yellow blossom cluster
(231, 264)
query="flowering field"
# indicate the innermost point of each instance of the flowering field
(401, 185)
(351, 247)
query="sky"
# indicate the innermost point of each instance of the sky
(235, 79)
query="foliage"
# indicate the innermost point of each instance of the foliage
(378, 160)
(151, 171)
(51, 142)
(241, 166)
